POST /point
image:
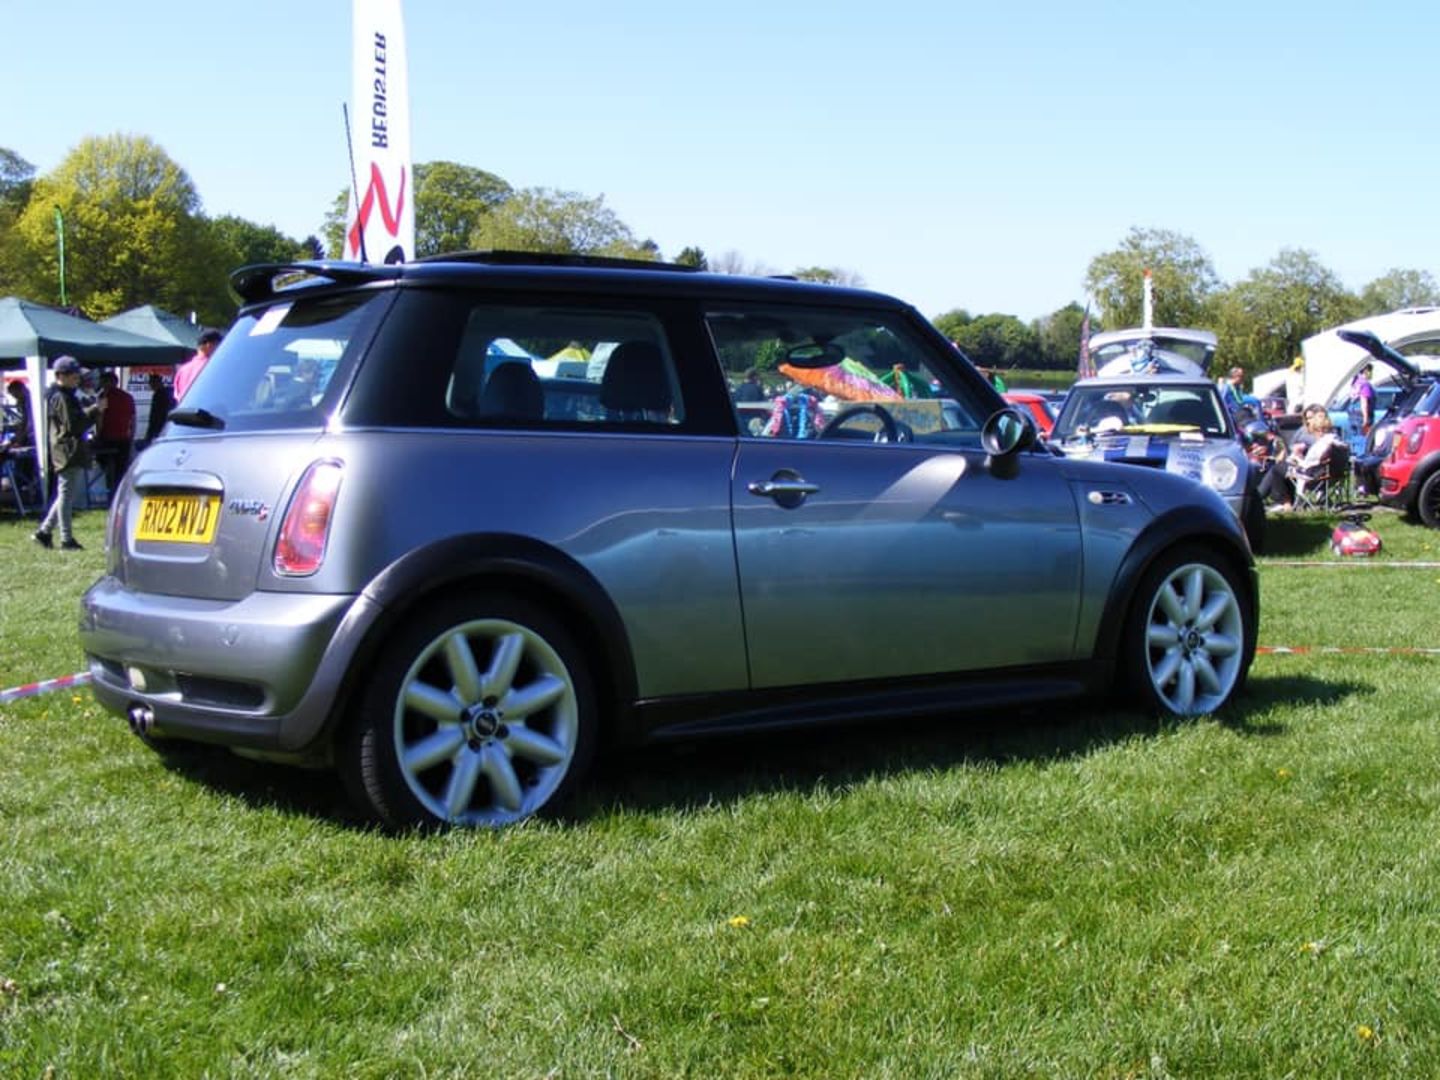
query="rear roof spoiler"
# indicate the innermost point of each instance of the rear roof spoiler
(264, 281)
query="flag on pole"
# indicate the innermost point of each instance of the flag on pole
(1086, 368)
(380, 225)
(1147, 302)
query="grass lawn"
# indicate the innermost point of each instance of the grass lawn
(1071, 892)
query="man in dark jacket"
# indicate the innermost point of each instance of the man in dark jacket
(161, 402)
(69, 420)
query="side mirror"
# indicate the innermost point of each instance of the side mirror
(1004, 435)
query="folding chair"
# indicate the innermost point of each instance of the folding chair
(1328, 486)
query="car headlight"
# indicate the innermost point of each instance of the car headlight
(1222, 473)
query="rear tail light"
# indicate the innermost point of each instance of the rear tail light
(305, 531)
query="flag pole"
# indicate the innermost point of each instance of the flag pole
(60, 243)
(354, 184)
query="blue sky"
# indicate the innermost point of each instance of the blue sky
(953, 156)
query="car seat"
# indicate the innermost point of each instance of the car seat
(513, 392)
(636, 383)
(1190, 413)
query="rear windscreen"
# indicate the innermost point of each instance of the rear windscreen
(284, 366)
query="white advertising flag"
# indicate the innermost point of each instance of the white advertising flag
(381, 224)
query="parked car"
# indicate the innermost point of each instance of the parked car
(1036, 405)
(1410, 474)
(453, 577)
(1171, 422)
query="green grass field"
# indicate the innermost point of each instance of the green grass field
(1071, 892)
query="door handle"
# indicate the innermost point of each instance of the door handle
(771, 489)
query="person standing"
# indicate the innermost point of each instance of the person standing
(162, 400)
(185, 374)
(1295, 385)
(69, 454)
(1232, 389)
(1363, 391)
(115, 435)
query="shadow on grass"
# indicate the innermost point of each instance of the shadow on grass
(730, 769)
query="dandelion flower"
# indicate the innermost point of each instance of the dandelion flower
(1283, 773)
(1365, 1032)
(738, 922)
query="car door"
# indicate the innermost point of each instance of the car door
(861, 559)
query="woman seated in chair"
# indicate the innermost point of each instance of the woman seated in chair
(1306, 462)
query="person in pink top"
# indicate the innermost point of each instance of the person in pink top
(186, 372)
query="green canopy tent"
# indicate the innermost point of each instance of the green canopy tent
(31, 334)
(152, 322)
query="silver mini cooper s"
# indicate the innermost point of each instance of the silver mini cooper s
(450, 526)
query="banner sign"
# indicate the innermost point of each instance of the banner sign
(380, 227)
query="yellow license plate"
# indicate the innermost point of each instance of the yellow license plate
(178, 519)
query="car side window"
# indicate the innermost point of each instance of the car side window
(794, 372)
(456, 360)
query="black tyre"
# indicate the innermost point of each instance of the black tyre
(1188, 641)
(1427, 503)
(480, 712)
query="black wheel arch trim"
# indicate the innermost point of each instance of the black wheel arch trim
(526, 565)
(1179, 526)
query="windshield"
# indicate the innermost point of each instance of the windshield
(1116, 406)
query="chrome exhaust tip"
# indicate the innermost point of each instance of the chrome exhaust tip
(141, 718)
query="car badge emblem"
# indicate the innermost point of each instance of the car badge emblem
(181, 456)
(260, 511)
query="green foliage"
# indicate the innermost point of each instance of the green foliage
(1183, 277)
(16, 177)
(133, 229)
(561, 222)
(998, 342)
(828, 275)
(1399, 289)
(1058, 335)
(692, 256)
(332, 229)
(1262, 319)
(952, 322)
(245, 243)
(450, 202)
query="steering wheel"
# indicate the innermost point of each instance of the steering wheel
(890, 431)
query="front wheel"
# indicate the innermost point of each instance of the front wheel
(480, 713)
(1427, 503)
(1187, 642)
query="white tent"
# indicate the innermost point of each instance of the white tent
(1331, 363)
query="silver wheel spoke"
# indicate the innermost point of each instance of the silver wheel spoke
(1170, 603)
(1194, 593)
(503, 664)
(1221, 644)
(1185, 688)
(534, 746)
(463, 670)
(1219, 605)
(462, 784)
(503, 782)
(1165, 670)
(433, 749)
(1205, 675)
(1162, 636)
(439, 705)
(543, 692)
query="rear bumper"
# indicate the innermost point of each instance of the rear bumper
(260, 673)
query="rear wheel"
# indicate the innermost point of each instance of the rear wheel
(1186, 642)
(479, 713)
(1427, 503)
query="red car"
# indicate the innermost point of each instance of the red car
(1036, 405)
(1410, 476)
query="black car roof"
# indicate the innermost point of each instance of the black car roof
(262, 283)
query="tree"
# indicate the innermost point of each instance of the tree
(332, 229)
(1399, 289)
(16, 181)
(998, 341)
(450, 202)
(952, 322)
(1058, 337)
(829, 275)
(1183, 277)
(732, 262)
(562, 222)
(245, 243)
(1262, 319)
(693, 256)
(134, 233)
